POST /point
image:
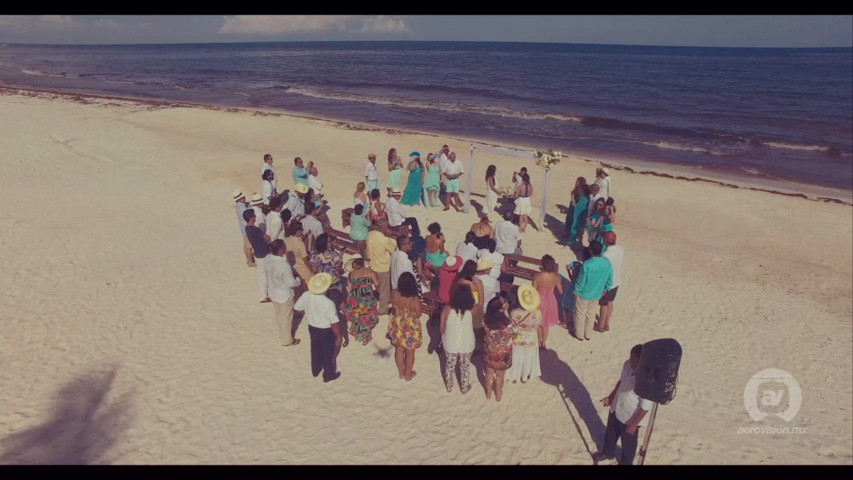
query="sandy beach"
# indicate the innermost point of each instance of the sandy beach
(132, 332)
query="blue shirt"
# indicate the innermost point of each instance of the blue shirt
(359, 227)
(300, 175)
(596, 277)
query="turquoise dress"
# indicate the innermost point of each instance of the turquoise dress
(433, 180)
(412, 195)
(437, 258)
(579, 220)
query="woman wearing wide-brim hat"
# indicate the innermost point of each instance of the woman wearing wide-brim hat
(524, 313)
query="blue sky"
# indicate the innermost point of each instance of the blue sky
(682, 30)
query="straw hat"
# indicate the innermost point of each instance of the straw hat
(485, 263)
(348, 264)
(396, 191)
(452, 264)
(319, 283)
(528, 297)
(301, 188)
(237, 195)
(257, 199)
(605, 171)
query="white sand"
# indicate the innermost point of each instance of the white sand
(131, 333)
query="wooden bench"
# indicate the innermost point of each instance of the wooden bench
(431, 303)
(523, 272)
(342, 241)
(394, 232)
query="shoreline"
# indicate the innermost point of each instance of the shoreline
(806, 191)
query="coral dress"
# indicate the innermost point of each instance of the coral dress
(548, 307)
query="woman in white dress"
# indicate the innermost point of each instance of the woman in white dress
(457, 336)
(492, 190)
(524, 313)
(602, 179)
(522, 201)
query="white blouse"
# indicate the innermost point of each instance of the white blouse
(458, 336)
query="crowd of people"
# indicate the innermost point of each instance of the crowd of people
(286, 238)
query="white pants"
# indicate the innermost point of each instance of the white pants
(284, 321)
(261, 272)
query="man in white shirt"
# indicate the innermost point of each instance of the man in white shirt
(260, 217)
(312, 227)
(275, 225)
(295, 203)
(497, 262)
(397, 213)
(508, 235)
(616, 255)
(452, 171)
(280, 285)
(371, 175)
(268, 166)
(242, 205)
(627, 413)
(491, 286)
(323, 326)
(400, 261)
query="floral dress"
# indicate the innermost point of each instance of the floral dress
(362, 308)
(498, 343)
(405, 328)
(332, 263)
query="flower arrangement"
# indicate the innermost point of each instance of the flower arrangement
(506, 191)
(547, 158)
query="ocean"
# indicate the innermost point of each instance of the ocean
(762, 113)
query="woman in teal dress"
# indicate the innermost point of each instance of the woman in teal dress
(395, 169)
(412, 194)
(579, 220)
(433, 182)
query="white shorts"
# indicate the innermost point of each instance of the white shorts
(522, 206)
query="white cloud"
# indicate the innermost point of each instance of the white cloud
(273, 24)
(286, 24)
(30, 22)
(56, 19)
(383, 24)
(105, 22)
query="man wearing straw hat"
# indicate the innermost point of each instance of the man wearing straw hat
(371, 175)
(242, 205)
(268, 166)
(260, 216)
(295, 201)
(323, 326)
(397, 214)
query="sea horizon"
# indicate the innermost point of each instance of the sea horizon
(766, 113)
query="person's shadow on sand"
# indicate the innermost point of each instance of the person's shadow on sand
(558, 373)
(84, 426)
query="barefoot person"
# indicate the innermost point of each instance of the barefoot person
(522, 202)
(493, 192)
(546, 282)
(497, 351)
(361, 305)
(452, 171)
(432, 182)
(457, 337)
(524, 313)
(281, 282)
(405, 325)
(268, 161)
(627, 413)
(371, 175)
(324, 327)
